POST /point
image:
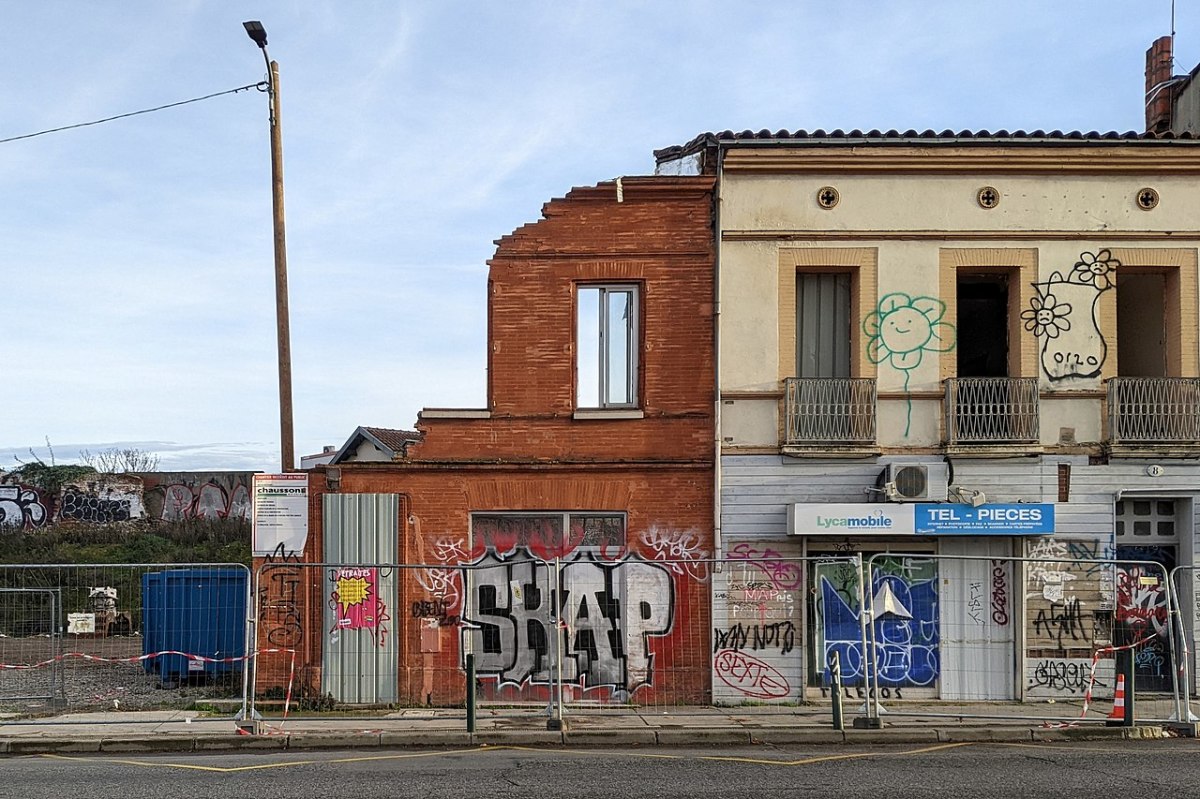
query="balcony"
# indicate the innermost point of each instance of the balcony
(829, 412)
(1154, 412)
(991, 412)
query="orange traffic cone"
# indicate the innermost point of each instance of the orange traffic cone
(1117, 717)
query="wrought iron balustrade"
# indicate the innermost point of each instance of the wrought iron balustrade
(992, 410)
(830, 410)
(1154, 410)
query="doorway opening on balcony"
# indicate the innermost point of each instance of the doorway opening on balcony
(1141, 324)
(983, 325)
(984, 404)
(825, 403)
(823, 324)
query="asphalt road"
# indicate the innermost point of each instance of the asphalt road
(979, 771)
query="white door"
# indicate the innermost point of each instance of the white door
(978, 626)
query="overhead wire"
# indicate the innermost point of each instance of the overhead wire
(261, 86)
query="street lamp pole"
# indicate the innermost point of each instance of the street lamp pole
(258, 34)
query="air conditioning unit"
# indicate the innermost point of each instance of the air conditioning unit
(916, 482)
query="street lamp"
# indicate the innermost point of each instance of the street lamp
(258, 34)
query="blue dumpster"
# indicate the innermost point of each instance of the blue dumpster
(199, 614)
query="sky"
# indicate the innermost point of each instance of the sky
(136, 259)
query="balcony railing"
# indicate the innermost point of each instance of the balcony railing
(830, 410)
(992, 410)
(1154, 410)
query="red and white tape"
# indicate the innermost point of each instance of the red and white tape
(1087, 694)
(287, 700)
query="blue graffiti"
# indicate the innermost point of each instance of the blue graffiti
(905, 629)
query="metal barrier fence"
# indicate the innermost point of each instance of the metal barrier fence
(584, 634)
(599, 632)
(126, 637)
(1185, 606)
(973, 629)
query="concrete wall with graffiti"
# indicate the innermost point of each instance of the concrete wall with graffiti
(112, 498)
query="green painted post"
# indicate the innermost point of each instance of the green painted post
(471, 693)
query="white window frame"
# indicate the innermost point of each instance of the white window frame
(603, 361)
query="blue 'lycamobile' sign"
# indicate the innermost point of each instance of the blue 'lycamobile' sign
(920, 518)
(960, 519)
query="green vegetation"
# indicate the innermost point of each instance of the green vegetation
(90, 555)
(48, 479)
(143, 541)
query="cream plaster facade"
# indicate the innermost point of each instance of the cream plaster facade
(906, 219)
(908, 229)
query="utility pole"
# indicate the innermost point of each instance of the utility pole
(258, 34)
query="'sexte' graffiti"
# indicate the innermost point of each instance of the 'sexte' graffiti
(609, 611)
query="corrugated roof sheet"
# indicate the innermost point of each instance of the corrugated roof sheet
(875, 136)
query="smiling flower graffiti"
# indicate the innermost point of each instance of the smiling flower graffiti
(902, 329)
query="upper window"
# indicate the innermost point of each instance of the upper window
(823, 324)
(607, 346)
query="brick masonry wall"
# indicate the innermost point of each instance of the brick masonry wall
(532, 455)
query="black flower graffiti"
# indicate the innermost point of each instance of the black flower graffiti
(1047, 317)
(1096, 270)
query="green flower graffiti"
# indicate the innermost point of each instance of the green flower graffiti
(902, 329)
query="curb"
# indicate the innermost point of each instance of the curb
(697, 736)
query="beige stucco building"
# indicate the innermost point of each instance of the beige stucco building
(971, 347)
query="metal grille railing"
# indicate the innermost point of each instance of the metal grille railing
(829, 410)
(999, 410)
(1163, 410)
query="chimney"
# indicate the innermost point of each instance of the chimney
(1158, 93)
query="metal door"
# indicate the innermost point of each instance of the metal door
(977, 625)
(361, 651)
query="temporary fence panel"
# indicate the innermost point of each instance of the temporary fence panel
(623, 620)
(904, 630)
(361, 651)
(759, 654)
(838, 622)
(110, 639)
(509, 625)
(1056, 632)
(622, 635)
(1142, 605)
(25, 614)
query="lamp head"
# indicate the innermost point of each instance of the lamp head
(257, 32)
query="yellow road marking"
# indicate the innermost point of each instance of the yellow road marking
(756, 761)
(596, 752)
(257, 766)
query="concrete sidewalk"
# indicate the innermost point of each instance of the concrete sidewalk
(902, 723)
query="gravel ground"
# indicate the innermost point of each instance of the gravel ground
(114, 680)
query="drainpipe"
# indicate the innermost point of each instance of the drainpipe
(718, 544)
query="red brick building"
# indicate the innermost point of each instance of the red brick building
(596, 448)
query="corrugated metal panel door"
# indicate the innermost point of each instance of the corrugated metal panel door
(361, 650)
